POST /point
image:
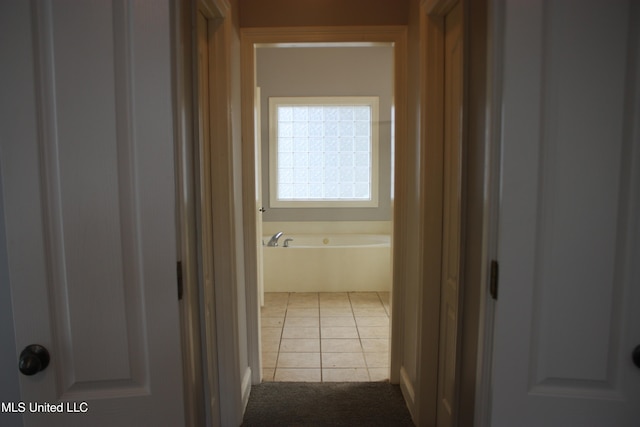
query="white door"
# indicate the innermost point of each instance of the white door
(452, 220)
(568, 311)
(88, 173)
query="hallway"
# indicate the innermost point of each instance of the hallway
(325, 337)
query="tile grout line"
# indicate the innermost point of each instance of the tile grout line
(384, 306)
(284, 319)
(353, 313)
(320, 339)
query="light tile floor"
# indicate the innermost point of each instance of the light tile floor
(325, 336)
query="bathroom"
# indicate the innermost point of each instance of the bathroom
(331, 249)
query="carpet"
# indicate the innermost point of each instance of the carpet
(289, 404)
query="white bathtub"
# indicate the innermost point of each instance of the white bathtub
(328, 263)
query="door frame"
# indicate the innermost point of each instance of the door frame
(482, 23)
(250, 37)
(490, 102)
(186, 213)
(431, 54)
(480, 194)
(214, 388)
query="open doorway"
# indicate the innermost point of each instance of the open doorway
(325, 176)
(294, 346)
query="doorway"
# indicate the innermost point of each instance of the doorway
(416, 295)
(326, 159)
(255, 44)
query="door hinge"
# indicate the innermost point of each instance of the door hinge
(493, 279)
(179, 276)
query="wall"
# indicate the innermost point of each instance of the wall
(291, 13)
(329, 71)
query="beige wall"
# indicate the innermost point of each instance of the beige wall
(291, 13)
(330, 71)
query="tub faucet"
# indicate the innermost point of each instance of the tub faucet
(274, 239)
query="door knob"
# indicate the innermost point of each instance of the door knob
(636, 356)
(33, 359)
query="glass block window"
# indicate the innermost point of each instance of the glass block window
(323, 152)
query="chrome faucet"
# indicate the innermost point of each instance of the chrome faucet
(274, 239)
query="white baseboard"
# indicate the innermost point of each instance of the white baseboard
(246, 388)
(408, 391)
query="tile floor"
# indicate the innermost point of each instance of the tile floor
(325, 336)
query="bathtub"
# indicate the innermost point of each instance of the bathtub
(328, 263)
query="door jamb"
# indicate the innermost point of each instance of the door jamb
(494, 35)
(482, 36)
(186, 216)
(210, 320)
(431, 123)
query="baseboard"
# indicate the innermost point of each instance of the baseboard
(246, 387)
(408, 391)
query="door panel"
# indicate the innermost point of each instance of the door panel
(452, 220)
(566, 318)
(92, 264)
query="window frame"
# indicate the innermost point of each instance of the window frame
(370, 101)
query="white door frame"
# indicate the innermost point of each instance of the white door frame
(481, 18)
(214, 388)
(250, 37)
(494, 54)
(188, 239)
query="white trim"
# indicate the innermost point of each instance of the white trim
(323, 44)
(246, 387)
(190, 315)
(408, 390)
(495, 37)
(220, 303)
(249, 197)
(369, 101)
